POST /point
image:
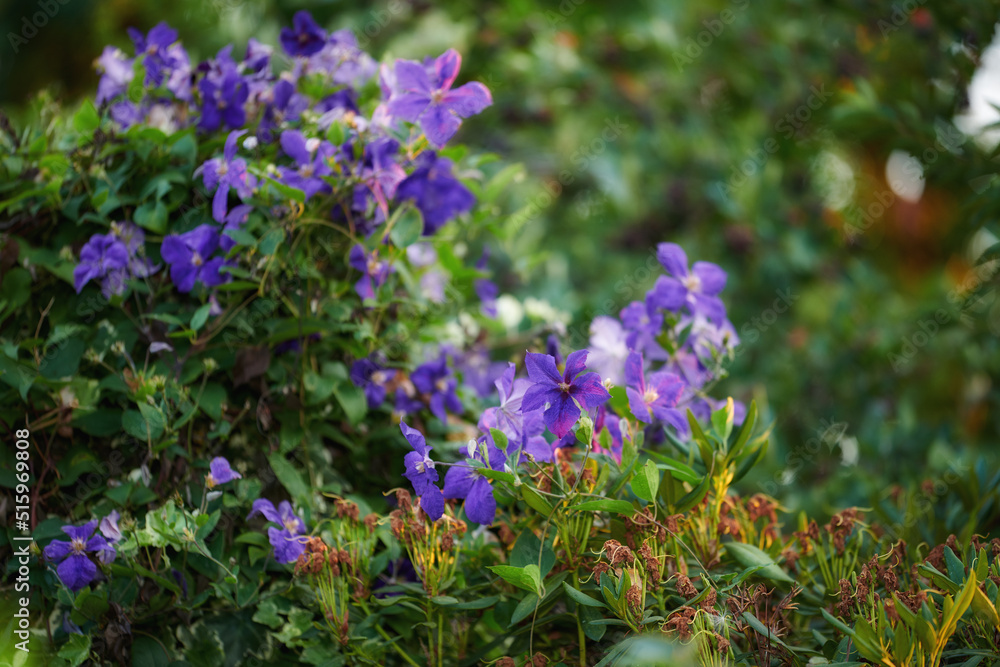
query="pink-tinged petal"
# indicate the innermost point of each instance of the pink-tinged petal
(469, 99)
(294, 145)
(230, 150)
(432, 503)
(712, 307)
(364, 288)
(712, 278)
(576, 363)
(589, 392)
(667, 293)
(542, 369)
(561, 416)
(457, 481)
(446, 68)
(57, 550)
(673, 258)
(480, 505)
(76, 572)
(411, 77)
(637, 405)
(439, 125)
(633, 372)
(536, 396)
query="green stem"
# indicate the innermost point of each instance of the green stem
(385, 635)
(581, 636)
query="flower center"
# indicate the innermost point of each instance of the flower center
(306, 170)
(564, 387)
(692, 283)
(78, 545)
(378, 377)
(422, 466)
(650, 395)
(441, 385)
(209, 481)
(437, 96)
(291, 524)
(223, 169)
(196, 259)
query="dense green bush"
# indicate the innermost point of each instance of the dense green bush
(243, 302)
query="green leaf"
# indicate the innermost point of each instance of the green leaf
(622, 507)
(529, 550)
(407, 228)
(77, 649)
(200, 317)
(135, 424)
(722, 420)
(748, 555)
(499, 438)
(527, 577)
(646, 481)
(582, 598)
(152, 216)
(745, 431)
(678, 470)
(289, 477)
(86, 120)
(524, 608)
(535, 501)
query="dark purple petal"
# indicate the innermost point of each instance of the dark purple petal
(432, 502)
(561, 415)
(588, 391)
(633, 372)
(667, 293)
(287, 547)
(446, 68)
(56, 550)
(220, 471)
(76, 571)
(542, 369)
(537, 395)
(576, 363)
(439, 124)
(457, 481)
(637, 404)
(712, 278)
(265, 507)
(480, 505)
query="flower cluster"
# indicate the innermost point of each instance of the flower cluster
(75, 559)
(367, 159)
(678, 334)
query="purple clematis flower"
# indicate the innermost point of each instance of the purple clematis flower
(75, 568)
(117, 74)
(563, 392)
(372, 377)
(227, 172)
(435, 379)
(421, 473)
(100, 256)
(165, 60)
(437, 194)
(653, 398)
(462, 481)
(220, 473)
(304, 38)
(313, 158)
(697, 289)
(287, 543)
(222, 101)
(376, 271)
(109, 527)
(424, 95)
(507, 417)
(189, 256)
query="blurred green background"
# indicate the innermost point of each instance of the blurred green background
(811, 148)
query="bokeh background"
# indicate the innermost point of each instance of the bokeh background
(836, 158)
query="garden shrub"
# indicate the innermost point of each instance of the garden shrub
(279, 412)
